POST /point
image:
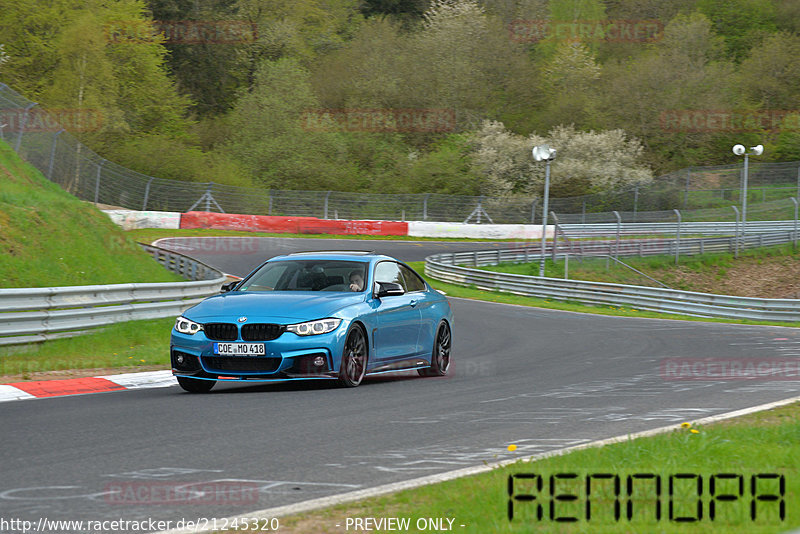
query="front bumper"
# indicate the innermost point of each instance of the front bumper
(288, 357)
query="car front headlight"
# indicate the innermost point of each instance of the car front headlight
(313, 328)
(185, 326)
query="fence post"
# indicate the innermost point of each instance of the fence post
(533, 208)
(678, 237)
(686, 190)
(619, 225)
(146, 194)
(583, 212)
(794, 200)
(425, 207)
(53, 154)
(97, 182)
(736, 233)
(555, 235)
(635, 201)
(325, 209)
(269, 193)
(22, 126)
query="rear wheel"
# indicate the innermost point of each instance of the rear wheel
(440, 357)
(194, 385)
(354, 359)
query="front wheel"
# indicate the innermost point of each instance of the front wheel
(193, 385)
(440, 357)
(353, 366)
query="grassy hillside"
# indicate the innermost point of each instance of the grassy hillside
(49, 238)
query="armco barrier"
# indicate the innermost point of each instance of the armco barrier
(30, 315)
(670, 301)
(293, 225)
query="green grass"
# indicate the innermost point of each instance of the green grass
(662, 268)
(473, 293)
(764, 442)
(125, 346)
(49, 238)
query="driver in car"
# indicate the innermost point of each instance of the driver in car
(356, 281)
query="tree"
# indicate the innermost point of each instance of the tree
(505, 160)
(684, 71)
(743, 23)
(770, 75)
(272, 142)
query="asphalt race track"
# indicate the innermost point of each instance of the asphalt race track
(537, 378)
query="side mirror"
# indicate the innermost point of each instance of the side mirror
(388, 289)
(228, 287)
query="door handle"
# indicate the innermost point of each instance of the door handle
(413, 303)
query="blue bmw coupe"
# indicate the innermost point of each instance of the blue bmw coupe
(315, 315)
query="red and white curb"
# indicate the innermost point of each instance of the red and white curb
(38, 389)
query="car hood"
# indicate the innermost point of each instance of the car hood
(272, 306)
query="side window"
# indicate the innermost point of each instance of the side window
(389, 271)
(413, 282)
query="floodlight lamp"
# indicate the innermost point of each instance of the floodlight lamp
(757, 150)
(738, 150)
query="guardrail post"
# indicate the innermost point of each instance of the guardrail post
(794, 200)
(678, 237)
(619, 227)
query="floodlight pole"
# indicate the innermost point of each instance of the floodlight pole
(744, 195)
(544, 214)
(740, 150)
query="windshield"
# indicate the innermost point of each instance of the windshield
(308, 275)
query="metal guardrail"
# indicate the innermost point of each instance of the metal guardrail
(696, 228)
(29, 315)
(445, 267)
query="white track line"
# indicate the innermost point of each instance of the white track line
(351, 496)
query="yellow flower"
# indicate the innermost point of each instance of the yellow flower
(693, 431)
(512, 447)
(686, 425)
(141, 361)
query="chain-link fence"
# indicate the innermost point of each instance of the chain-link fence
(702, 193)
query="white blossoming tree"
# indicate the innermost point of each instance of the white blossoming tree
(587, 162)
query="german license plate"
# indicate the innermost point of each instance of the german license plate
(239, 349)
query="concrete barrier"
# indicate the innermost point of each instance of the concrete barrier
(132, 220)
(478, 231)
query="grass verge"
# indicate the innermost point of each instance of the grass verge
(123, 347)
(745, 449)
(50, 238)
(508, 298)
(763, 272)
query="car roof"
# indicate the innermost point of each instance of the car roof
(350, 255)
